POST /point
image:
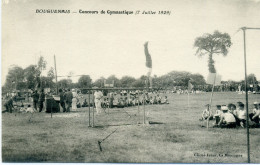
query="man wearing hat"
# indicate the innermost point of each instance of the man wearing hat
(68, 96)
(41, 100)
(241, 114)
(9, 105)
(227, 120)
(256, 113)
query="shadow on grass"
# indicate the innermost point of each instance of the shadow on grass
(116, 125)
(15, 158)
(155, 122)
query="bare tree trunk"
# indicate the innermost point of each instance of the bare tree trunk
(211, 64)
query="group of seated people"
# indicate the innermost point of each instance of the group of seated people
(27, 108)
(124, 101)
(232, 116)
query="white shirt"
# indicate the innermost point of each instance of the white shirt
(30, 109)
(74, 94)
(256, 112)
(205, 113)
(98, 95)
(241, 114)
(228, 117)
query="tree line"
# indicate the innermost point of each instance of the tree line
(31, 78)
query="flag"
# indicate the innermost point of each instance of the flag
(148, 62)
(190, 86)
(214, 78)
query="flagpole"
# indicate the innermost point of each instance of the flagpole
(246, 90)
(211, 100)
(56, 75)
(188, 100)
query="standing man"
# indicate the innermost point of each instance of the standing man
(35, 97)
(68, 100)
(98, 96)
(9, 105)
(62, 100)
(111, 99)
(41, 100)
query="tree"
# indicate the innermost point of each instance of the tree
(99, 82)
(210, 44)
(114, 79)
(47, 82)
(65, 83)
(251, 78)
(15, 78)
(41, 66)
(31, 73)
(84, 81)
(126, 81)
(51, 74)
(140, 82)
(197, 79)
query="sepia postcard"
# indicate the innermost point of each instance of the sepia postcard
(140, 81)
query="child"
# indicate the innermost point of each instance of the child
(227, 120)
(241, 114)
(231, 108)
(218, 113)
(165, 100)
(256, 113)
(159, 99)
(30, 109)
(206, 114)
(85, 104)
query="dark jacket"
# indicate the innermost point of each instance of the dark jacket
(62, 97)
(68, 97)
(35, 97)
(42, 97)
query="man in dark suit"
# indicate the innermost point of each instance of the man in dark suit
(35, 97)
(62, 100)
(41, 100)
(68, 100)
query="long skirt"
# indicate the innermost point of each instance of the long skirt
(98, 105)
(74, 104)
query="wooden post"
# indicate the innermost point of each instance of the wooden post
(138, 113)
(188, 100)
(89, 124)
(93, 117)
(109, 97)
(144, 108)
(55, 74)
(246, 90)
(51, 108)
(211, 100)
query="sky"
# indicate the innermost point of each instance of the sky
(102, 45)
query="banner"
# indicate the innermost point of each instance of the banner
(214, 77)
(148, 63)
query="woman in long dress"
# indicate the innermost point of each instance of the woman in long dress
(74, 100)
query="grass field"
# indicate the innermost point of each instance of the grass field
(177, 136)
